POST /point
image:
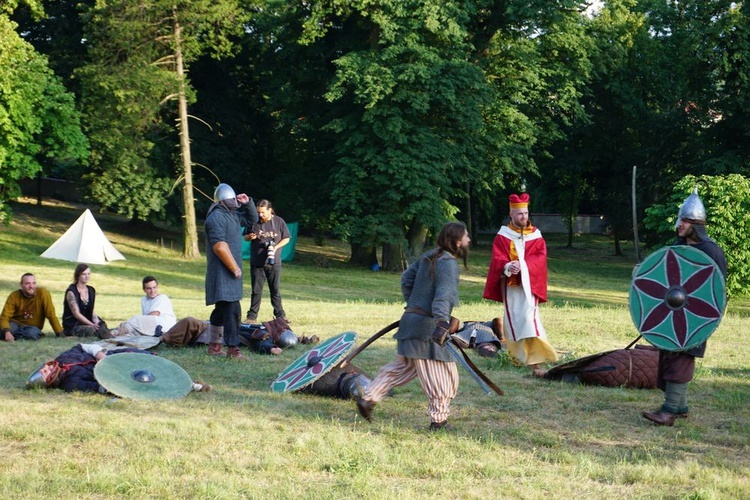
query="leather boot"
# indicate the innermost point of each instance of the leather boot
(440, 426)
(660, 417)
(216, 340)
(214, 349)
(234, 353)
(364, 408)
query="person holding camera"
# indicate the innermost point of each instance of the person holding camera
(266, 241)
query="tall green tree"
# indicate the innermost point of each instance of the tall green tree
(58, 34)
(539, 61)
(140, 53)
(38, 121)
(725, 108)
(267, 109)
(410, 123)
(656, 101)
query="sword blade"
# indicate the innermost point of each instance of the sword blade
(460, 360)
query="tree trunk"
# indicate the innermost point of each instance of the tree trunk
(469, 220)
(572, 212)
(571, 226)
(39, 189)
(363, 255)
(618, 250)
(191, 250)
(416, 237)
(392, 260)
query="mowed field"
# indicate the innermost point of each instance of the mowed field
(541, 440)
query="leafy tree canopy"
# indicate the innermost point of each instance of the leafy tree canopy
(38, 121)
(138, 56)
(411, 131)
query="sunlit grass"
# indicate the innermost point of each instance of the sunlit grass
(542, 439)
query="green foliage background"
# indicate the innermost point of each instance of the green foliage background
(727, 202)
(39, 124)
(374, 120)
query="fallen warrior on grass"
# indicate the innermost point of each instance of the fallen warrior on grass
(269, 337)
(272, 337)
(73, 370)
(485, 337)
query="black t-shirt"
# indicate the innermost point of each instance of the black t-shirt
(270, 232)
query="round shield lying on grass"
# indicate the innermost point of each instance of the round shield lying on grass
(142, 376)
(677, 297)
(314, 363)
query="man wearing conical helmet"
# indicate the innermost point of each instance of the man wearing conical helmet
(676, 368)
(223, 228)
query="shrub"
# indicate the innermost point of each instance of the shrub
(727, 202)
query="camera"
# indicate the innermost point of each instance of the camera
(271, 259)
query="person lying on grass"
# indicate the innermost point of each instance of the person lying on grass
(73, 370)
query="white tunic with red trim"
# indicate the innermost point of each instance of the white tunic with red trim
(521, 293)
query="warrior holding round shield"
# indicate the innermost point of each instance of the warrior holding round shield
(683, 307)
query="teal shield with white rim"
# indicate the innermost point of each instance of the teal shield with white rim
(677, 297)
(314, 363)
(136, 375)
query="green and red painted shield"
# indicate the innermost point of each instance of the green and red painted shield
(677, 297)
(314, 363)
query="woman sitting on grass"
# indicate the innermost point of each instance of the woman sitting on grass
(79, 319)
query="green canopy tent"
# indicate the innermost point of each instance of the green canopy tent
(287, 251)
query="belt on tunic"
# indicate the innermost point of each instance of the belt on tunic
(455, 324)
(482, 379)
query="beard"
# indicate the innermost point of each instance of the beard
(690, 234)
(463, 254)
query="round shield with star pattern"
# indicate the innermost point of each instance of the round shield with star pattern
(314, 363)
(677, 297)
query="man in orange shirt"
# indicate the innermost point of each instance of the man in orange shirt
(25, 311)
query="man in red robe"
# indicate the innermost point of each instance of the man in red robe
(518, 278)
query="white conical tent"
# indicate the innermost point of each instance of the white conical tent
(84, 242)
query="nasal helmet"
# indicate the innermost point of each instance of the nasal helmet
(36, 379)
(225, 194)
(286, 339)
(692, 209)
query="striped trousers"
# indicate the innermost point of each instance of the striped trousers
(439, 380)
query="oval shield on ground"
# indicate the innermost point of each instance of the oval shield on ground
(142, 376)
(314, 363)
(677, 297)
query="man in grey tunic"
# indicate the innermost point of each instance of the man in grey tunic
(430, 287)
(223, 227)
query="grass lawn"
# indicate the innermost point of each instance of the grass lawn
(541, 440)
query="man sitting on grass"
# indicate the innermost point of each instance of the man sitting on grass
(157, 313)
(25, 311)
